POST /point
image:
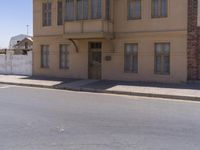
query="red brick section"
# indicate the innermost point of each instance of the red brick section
(193, 42)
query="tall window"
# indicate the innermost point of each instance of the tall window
(162, 58)
(131, 58)
(82, 9)
(69, 9)
(159, 8)
(108, 9)
(96, 9)
(45, 56)
(46, 13)
(64, 56)
(134, 9)
(59, 12)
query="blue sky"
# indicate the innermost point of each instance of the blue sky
(14, 15)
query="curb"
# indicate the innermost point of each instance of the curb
(178, 97)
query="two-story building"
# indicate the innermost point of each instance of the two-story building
(131, 40)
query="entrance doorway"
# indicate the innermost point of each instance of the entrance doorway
(95, 59)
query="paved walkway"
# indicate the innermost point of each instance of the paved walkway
(186, 91)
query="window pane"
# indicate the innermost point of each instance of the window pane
(79, 9)
(155, 6)
(82, 9)
(59, 13)
(134, 10)
(63, 56)
(46, 13)
(162, 58)
(44, 56)
(108, 9)
(166, 64)
(130, 9)
(158, 49)
(137, 9)
(166, 49)
(158, 64)
(85, 9)
(69, 9)
(131, 58)
(163, 8)
(96, 9)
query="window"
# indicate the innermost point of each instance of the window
(45, 56)
(46, 13)
(59, 12)
(162, 58)
(85, 9)
(108, 9)
(64, 56)
(82, 9)
(131, 58)
(69, 10)
(159, 8)
(134, 9)
(96, 9)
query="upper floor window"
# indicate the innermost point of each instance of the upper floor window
(46, 13)
(59, 12)
(159, 8)
(85, 9)
(69, 9)
(96, 9)
(134, 9)
(108, 9)
(82, 9)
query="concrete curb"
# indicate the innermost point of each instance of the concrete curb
(178, 97)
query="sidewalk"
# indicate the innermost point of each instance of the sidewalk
(185, 91)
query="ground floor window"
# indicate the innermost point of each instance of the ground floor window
(45, 56)
(64, 56)
(162, 58)
(131, 58)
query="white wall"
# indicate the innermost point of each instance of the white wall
(16, 64)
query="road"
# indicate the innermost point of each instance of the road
(47, 119)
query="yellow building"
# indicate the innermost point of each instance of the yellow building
(130, 40)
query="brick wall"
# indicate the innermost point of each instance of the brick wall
(193, 41)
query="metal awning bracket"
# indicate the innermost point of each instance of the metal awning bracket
(75, 45)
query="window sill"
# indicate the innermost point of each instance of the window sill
(134, 19)
(64, 69)
(162, 74)
(159, 17)
(131, 72)
(44, 67)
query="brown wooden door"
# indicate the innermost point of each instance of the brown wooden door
(95, 56)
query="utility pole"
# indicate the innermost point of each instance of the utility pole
(27, 26)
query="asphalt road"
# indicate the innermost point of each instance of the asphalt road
(46, 119)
